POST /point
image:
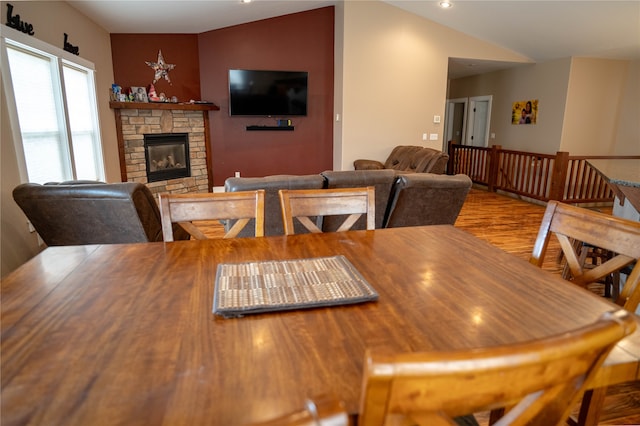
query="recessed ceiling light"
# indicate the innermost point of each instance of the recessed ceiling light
(446, 4)
(245, 1)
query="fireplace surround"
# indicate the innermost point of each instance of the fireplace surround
(136, 120)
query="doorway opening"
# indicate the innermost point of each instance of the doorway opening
(467, 121)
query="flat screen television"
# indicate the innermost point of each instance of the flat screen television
(267, 93)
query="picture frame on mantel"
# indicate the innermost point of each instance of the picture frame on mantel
(139, 94)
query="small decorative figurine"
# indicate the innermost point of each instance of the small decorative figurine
(153, 96)
(161, 68)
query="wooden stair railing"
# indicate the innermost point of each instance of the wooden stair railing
(536, 176)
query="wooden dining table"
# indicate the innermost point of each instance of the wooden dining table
(125, 334)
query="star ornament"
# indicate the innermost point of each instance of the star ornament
(161, 68)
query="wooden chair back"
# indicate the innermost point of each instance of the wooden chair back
(186, 208)
(617, 235)
(306, 203)
(538, 381)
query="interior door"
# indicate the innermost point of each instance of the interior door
(455, 121)
(479, 118)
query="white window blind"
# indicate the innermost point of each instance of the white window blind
(57, 115)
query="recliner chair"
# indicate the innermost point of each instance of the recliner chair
(426, 199)
(87, 212)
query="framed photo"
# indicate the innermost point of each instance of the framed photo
(524, 112)
(139, 94)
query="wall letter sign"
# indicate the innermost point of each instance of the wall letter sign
(16, 23)
(70, 47)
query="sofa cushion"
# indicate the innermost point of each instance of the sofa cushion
(401, 158)
(429, 161)
(409, 158)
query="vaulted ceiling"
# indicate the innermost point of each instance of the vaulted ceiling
(541, 30)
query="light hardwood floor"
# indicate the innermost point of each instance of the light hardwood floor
(512, 225)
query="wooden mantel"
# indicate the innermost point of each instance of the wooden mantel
(163, 105)
(118, 106)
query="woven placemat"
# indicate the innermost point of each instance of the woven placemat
(254, 287)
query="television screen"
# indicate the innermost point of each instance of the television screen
(267, 93)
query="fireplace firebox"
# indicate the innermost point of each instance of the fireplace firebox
(167, 156)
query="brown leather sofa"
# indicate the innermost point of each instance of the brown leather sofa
(409, 159)
(82, 212)
(411, 199)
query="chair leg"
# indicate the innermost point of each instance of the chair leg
(591, 408)
(496, 415)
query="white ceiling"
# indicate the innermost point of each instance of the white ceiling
(541, 30)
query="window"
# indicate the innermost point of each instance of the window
(56, 112)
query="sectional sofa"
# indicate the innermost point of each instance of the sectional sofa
(402, 199)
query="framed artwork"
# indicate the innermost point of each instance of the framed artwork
(139, 94)
(524, 112)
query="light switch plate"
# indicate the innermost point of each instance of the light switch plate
(433, 136)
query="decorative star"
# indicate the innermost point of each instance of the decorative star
(161, 68)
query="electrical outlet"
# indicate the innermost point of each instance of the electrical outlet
(237, 174)
(424, 136)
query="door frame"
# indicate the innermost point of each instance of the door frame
(448, 120)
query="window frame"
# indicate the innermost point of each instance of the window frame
(60, 59)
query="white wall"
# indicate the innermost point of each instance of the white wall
(599, 93)
(627, 137)
(395, 78)
(50, 20)
(586, 106)
(546, 82)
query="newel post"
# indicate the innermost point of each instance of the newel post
(451, 161)
(493, 161)
(559, 176)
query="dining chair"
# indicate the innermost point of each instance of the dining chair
(538, 381)
(307, 204)
(271, 185)
(616, 235)
(382, 180)
(186, 208)
(576, 228)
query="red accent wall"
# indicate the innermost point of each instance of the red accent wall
(297, 42)
(130, 51)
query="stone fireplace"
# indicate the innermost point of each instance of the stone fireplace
(179, 136)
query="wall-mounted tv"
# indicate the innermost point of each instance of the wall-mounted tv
(267, 93)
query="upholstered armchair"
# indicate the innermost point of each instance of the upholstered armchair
(409, 159)
(87, 212)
